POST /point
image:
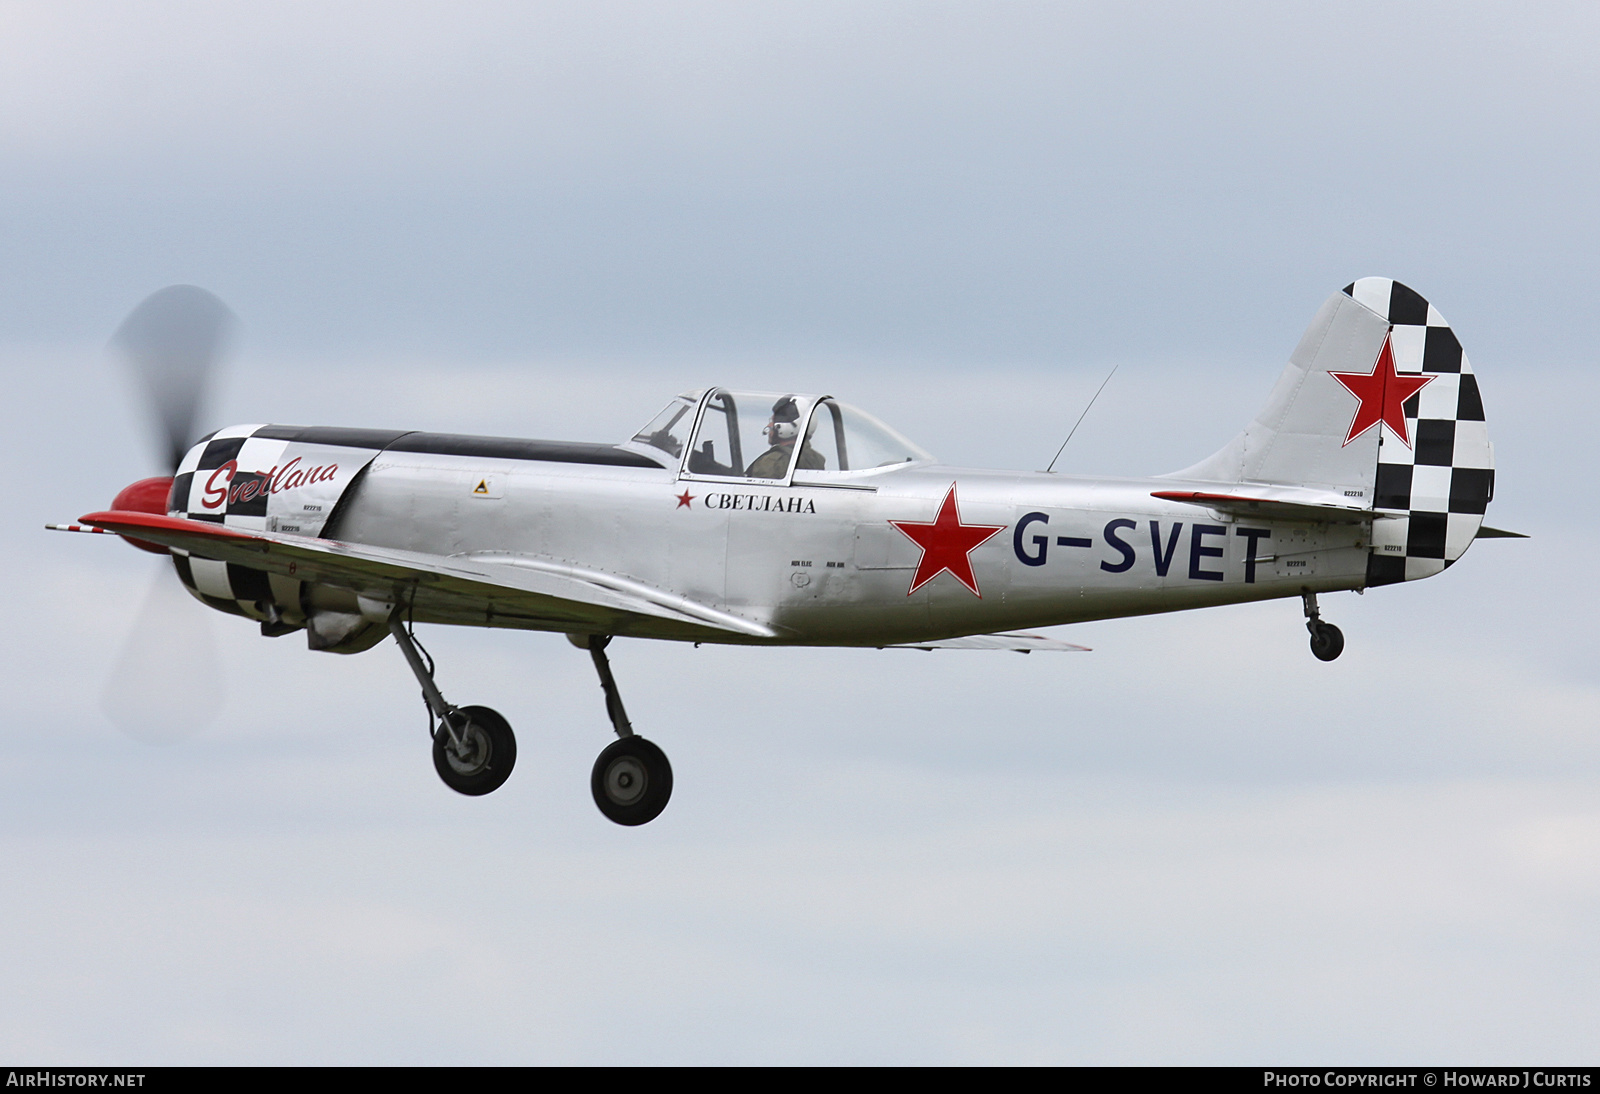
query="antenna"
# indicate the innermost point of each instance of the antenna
(1081, 417)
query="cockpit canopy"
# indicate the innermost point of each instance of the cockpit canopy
(772, 435)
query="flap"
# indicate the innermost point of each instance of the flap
(1018, 643)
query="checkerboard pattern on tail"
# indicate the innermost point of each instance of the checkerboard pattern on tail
(1434, 485)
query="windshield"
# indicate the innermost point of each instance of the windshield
(667, 430)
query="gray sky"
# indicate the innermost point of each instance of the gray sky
(1195, 844)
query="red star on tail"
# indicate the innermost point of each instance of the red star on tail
(946, 544)
(1383, 394)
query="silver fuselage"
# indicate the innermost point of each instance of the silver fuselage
(820, 561)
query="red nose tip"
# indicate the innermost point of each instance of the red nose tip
(145, 496)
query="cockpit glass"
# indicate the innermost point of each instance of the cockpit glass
(667, 430)
(750, 434)
(757, 435)
(848, 439)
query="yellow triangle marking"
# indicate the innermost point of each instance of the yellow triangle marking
(483, 487)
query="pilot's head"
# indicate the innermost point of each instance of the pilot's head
(784, 424)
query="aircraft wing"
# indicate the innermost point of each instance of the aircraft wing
(1018, 643)
(477, 585)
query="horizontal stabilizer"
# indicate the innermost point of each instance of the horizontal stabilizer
(518, 585)
(1270, 504)
(1018, 643)
(1498, 533)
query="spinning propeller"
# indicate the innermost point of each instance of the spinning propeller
(173, 344)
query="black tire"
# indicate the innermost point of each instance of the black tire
(632, 781)
(1327, 641)
(492, 753)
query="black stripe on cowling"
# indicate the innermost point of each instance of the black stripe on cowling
(186, 575)
(511, 448)
(1385, 570)
(248, 584)
(1406, 306)
(1350, 289)
(332, 435)
(453, 444)
(256, 504)
(222, 604)
(1470, 489)
(219, 452)
(1425, 538)
(1436, 442)
(1469, 404)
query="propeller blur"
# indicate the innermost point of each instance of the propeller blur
(787, 518)
(173, 343)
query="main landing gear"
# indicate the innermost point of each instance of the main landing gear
(632, 780)
(473, 747)
(1327, 641)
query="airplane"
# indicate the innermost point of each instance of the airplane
(787, 518)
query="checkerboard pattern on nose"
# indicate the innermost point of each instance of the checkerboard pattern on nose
(224, 585)
(202, 491)
(1432, 493)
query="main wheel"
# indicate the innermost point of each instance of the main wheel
(487, 754)
(632, 781)
(1327, 641)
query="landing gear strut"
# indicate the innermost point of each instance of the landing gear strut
(632, 779)
(473, 747)
(1327, 641)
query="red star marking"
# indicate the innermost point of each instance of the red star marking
(684, 499)
(1383, 394)
(945, 544)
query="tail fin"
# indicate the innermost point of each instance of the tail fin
(1378, 402)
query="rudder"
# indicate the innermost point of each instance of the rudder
(1433, 492)
(1378, 402)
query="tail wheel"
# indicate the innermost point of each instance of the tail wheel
(632, 781)
(485, 756)
(1327, 641)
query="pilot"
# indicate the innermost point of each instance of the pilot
(782, 430)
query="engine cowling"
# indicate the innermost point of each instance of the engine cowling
(276, 479)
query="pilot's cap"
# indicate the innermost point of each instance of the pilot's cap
(785, 410)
